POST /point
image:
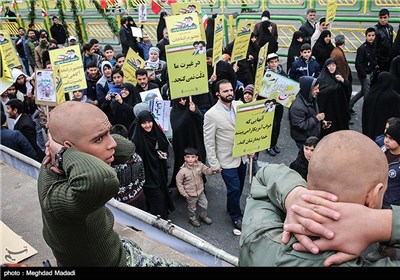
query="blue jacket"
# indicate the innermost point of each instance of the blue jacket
(302, 67)
(392, 194)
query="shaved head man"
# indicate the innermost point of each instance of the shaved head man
(339, 164)
(346, 166)
(75, 182)
(84, 127)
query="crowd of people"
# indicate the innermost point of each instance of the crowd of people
(131, 163)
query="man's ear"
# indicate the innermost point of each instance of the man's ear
(374, 198)
(67, 144)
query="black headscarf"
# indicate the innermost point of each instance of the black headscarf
(321, 50)
(160, 26)
(294, 48)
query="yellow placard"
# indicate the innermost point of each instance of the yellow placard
(7, 47)
(187, 71)
(253, 127)
(132, 63)
(242, 40)
(262, 58)
(71, 71)
(331, 7)
(5, 74)
(183, 28)
(58, 84)
(218, 38)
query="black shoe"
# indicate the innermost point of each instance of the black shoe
(352, 111)
(238, 224)
(276, 149)
(271, 152)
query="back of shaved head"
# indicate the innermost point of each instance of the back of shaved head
(69, 119)
(348, 164)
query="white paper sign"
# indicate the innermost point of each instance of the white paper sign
(161, 110)
(136, 32)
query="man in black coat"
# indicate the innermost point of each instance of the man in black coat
(24, 124)
(58, 32)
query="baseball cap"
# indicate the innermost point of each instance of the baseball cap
(271, 56)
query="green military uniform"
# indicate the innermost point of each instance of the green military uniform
(77, 225)
(262, 228)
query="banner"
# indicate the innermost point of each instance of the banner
(218, 39)
(187, 71)
(183, 28)
(45, 90)
(7, 47)
(253, 127)
(161, 110)
(132, 63)
(331, 7)
(71, 71)
(262, 55)
(242, 40)
(280, 88)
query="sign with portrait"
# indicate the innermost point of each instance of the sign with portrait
(45, 90)
(183, 28)
(187, 71)
(7, 47)
(71, 70)
(152, 94)
(253, 127)
(132, 63)
(242, 40)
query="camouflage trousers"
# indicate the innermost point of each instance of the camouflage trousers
(135, 257)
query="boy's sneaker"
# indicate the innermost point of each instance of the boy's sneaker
(195, 223)
(271, 152)
(206, 220)
(276, 149)
(238, 224)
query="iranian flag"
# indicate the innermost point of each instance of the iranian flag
(155, 7)
(44, 13)
(103, 4)
(204, 18)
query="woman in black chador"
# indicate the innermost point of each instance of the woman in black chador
(152, 146)
(334, 97)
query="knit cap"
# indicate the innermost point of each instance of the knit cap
(124, 149)
(394, 132)
(154, 50)
(249, 89)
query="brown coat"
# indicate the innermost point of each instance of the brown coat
(274, 31)
(190, 179)
(341, 62)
